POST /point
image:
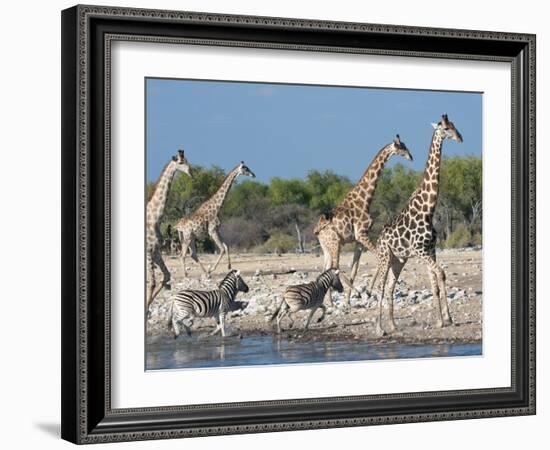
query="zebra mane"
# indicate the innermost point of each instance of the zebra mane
(229, 284)
(325, 279)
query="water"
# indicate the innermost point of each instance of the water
(197, 352)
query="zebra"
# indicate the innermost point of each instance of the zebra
(188, 304)
(307, 296)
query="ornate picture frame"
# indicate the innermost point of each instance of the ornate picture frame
(87, 35)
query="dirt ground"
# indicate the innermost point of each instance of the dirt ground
(413, 312)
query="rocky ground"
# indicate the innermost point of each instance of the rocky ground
(413, 298)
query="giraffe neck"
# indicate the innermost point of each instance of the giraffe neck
(155, 207)
(430, 180)
(218, 198)
(366, 185)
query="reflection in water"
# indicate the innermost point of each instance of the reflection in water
(200, 351)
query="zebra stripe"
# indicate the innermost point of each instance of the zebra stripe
(217, 303)
(307, 296)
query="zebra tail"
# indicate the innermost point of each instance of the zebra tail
(277, 310)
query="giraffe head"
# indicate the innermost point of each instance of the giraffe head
(399, 148)
(244, 170)
(181, 162)
(448, 129)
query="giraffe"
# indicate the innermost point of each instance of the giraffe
(411, 233)
(204, 221)
(155, 212)
(350, 220)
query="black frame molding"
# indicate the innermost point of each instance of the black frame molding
(87, 33)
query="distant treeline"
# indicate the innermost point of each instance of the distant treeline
(280, 216)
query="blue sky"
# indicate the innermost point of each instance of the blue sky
(288, 130)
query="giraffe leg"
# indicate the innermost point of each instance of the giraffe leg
(364, 240)
(395, 270)
(157, 259)
(221, 247)
(435, 294)
(354, 267)
(439, 290)
(330, 244)
(441, 281)
(166, 276)
(151, 279)
(195, 258)
(384, 269)
(184, 247)
(373, 281)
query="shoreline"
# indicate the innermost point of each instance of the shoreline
(413, 302)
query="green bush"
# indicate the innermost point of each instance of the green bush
(477, 239)
(460, 237)
(278, 243)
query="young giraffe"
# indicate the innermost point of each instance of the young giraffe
(350, 220)
(411, 233)
(205, 221)
(155, 211)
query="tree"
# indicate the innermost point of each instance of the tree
(188, 193)
(326, 190)
(248, 199)
(461, 190)
(289, 218)
(283, 191)
(393, 191)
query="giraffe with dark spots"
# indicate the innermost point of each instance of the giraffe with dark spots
(205, 222)
(394, 246)
(350, 221)
(155, 212)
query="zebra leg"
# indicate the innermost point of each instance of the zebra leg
(179, 318)
(222, 324)
(309, 317)
(324, 310)
(282, 312)
(175, 327)
(217, 327)
(291, 318)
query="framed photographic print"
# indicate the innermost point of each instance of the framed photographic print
(280, 224)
